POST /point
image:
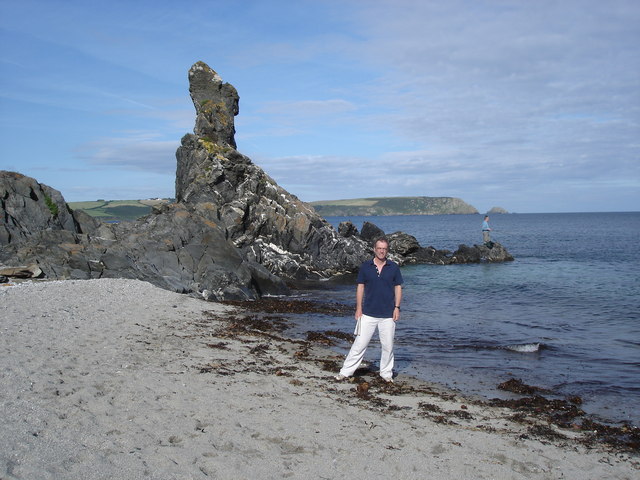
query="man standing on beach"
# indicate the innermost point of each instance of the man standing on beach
(378, 297)
(486, 236)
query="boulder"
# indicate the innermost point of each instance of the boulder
(429, 255)
(182, 251)
(28, 271)
(371, 232)
(402, 244)
(482, 253)
(27, 206)
(347, 229)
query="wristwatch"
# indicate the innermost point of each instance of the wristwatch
(398, 307)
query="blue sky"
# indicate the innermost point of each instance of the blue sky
(529, 105)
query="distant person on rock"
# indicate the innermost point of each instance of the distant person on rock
(486, 236)
(378, 297)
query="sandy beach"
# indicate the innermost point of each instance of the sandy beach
(118, 379)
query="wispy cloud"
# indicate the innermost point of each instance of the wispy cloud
(308, 108)
(137, 151)
(534, 106)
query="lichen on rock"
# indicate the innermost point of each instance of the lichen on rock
(216, 104)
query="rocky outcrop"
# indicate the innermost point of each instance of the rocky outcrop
(173, 248)
(233, 233)
(406, 250)
(216, 104)
(481, 253)
(27, 206)
(269, 225)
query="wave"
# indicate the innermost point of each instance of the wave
(523, 347)
(516, 347)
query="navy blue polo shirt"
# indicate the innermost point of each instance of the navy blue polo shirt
(379, 296)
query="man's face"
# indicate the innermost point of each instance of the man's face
(381, 250)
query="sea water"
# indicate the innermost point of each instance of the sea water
(564, 315)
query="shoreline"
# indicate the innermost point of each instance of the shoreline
(116, 378)
(514, 393)
(507, 387)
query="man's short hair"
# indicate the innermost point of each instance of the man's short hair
(381, 239)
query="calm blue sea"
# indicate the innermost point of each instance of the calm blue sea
(574, 289)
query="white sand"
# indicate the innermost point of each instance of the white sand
(101, 379)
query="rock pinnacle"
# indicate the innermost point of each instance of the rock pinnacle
(216, 104)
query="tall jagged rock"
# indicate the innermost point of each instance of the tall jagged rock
(267, 223)
(216, 105)
(233, 233)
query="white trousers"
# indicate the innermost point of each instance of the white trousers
(386, 331)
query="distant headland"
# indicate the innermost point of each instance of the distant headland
(393, 206)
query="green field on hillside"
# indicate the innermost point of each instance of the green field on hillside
(354, 202)
(118, 210)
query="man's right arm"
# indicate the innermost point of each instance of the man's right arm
(359, 297)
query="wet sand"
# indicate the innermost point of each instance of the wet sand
(116, 378)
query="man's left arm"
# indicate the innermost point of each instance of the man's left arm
(397, 292)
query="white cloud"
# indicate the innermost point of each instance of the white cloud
(489, 100)
(308, 107)
(138, 151)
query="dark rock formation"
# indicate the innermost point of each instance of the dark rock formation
(183, 251)
(370, 232)
(268, 224)
(27, 271)
(464, 254)
(233, 234)
(403, 244)
(173, 248)
(405, 250)
(216, 106)
(347, 229)
(27, 206)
